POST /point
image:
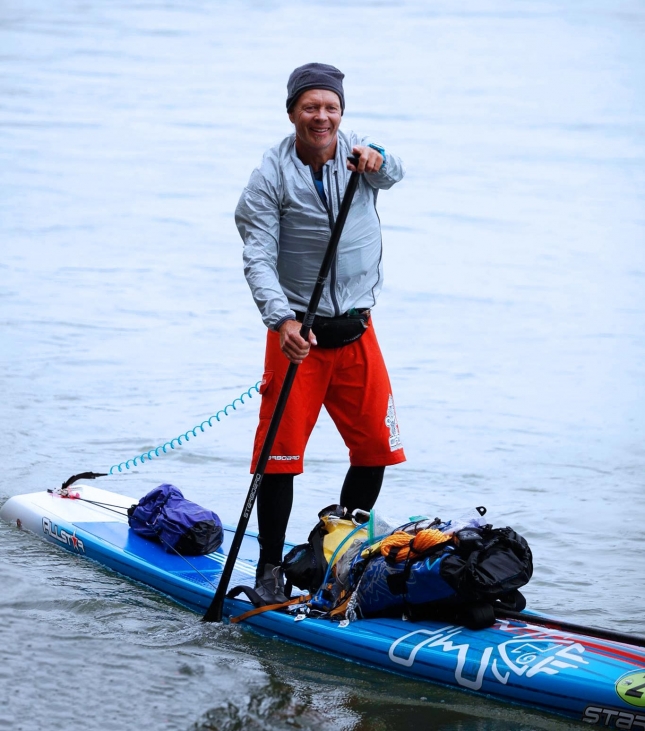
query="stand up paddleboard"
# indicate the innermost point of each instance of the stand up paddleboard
(528, 660)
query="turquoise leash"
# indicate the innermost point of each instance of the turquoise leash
(177, 441)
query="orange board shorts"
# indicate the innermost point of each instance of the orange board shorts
(351, 383)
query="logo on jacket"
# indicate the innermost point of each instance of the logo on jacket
(393, 425)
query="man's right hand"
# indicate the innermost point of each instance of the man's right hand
(292, 345)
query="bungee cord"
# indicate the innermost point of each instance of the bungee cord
(123, 511)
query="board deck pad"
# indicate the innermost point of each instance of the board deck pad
(201, 569)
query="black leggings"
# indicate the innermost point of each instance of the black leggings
(275, 498)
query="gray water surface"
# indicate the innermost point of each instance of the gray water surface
(512, 320)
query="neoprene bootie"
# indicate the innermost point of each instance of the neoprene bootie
(270, 586)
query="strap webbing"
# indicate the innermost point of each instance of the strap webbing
(82, 476)
(269, 608)
(251, 594)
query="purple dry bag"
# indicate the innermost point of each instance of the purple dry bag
(180, 525)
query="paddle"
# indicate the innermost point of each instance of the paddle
(559, 624)
(214, 611)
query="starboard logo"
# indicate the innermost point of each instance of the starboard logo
(527, 656)
(614, 718)
(62, 536)
(631, 688)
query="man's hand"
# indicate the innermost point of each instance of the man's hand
(369, 160)
(292, 345)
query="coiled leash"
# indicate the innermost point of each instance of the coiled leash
(63, 490)
(177, 441)
(163, 448)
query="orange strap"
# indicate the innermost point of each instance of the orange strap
(341, 608)
(269, 608)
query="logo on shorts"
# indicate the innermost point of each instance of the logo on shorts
(285, 457)
(393, 425)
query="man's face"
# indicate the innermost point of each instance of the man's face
(317, 116)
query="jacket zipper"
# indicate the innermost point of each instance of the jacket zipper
(333, 273)
(323, 202)
(330, 216)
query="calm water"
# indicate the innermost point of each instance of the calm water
(513, 322)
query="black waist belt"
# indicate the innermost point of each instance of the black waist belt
(335, 332)
(300, 316)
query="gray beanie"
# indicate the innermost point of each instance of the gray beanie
(315, 76)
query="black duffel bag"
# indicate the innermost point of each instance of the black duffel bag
(499, 563)
(463, 580)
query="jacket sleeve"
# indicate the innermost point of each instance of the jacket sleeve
(257, 217)
(391, 172)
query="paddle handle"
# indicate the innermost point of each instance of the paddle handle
(214, 611)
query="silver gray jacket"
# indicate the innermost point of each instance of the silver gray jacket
(286, 227)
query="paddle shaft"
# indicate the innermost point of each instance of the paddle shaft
(214, 611)
(604, 634)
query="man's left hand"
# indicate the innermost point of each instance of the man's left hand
(369, 160)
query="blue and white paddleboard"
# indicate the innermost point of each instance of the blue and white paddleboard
(598, 681)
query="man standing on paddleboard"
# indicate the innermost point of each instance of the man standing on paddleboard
(285, 216)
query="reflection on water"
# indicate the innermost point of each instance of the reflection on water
(512, 320)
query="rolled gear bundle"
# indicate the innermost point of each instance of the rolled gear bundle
(401, 546)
